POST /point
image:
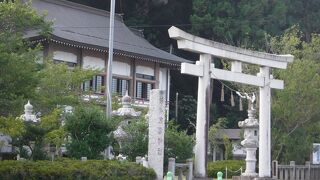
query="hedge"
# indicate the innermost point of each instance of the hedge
(233, 165)
(74, 169)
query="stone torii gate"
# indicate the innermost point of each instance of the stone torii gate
(205, 70)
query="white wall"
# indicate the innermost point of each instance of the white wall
(145, 70)
(65, 56)
(93, 62)
(121, 68)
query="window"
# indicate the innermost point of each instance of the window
(144, 76)
(143, 90)
(95, 84)
(120, 86)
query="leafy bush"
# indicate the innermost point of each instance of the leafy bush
(233, 165)
(89, 130)
(178, 144)
(74, 169)
(136, 142)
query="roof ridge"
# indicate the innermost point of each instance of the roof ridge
(83, 7)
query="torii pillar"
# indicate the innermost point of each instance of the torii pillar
(205, 70)
(203, 113)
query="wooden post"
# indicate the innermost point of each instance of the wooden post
(275, 169)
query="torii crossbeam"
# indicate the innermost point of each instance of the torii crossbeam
(205, 70)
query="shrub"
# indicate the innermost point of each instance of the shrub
(178, 144)
(89, 130)
(74, 169)
(233, 165)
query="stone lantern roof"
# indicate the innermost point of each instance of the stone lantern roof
(28, 108)
(28, 115)
(126, 110)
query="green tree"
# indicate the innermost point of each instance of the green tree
(187, 108)
(304, 13)
(136, 141)
(227, 148)
(60, 85)
(18, 77)
(55, 133)
(35, 135)
(213, 135)
(12, 126)
(241, 23)
(178, 144)
(295, 114)
(89, 130)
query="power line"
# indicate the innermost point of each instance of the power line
(157, 25)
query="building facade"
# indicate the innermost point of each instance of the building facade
(80, 38)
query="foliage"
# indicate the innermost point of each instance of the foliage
(35, 135)
(241, 23)
(228, 148)
(295, 109)
(136, 141)
(18, 78)
(187, 108)
(232, 165)
(55, 132)
(304, 13)
(89, 130)
(33, 139)
(56, 137)
(216, 138)
(213, 131)
(178, 144)
(74, 169)
(12, 126)
(60, 85)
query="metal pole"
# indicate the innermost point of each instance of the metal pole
(177, 104)
(110, 60)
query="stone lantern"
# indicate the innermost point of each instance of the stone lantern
(128, 113)
(28, 114)
(250, 142)
(126, 110)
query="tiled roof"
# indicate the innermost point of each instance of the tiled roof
(85, 26)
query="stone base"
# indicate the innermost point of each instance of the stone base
(243, 177)
(264, 178)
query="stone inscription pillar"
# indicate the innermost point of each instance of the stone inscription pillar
(156, 131)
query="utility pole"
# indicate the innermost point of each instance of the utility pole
(176, 108)
(110, 60)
